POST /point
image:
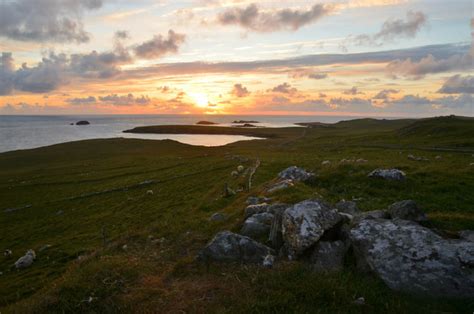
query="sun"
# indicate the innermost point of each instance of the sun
(200, 99)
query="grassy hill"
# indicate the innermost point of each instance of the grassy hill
(105, 244)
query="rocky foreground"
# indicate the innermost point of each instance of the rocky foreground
(394, 244)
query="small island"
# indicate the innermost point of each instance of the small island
(83, 122)
(245, 121)
(206, 123)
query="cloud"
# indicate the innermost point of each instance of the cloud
(393, 29)
(385, 94)
(309, 74)
(82, 100)
(352, 91)
(459, 101)
(46, 20)
(430, 64)
(125, 100)
(255, 19)
(160, 46)
(239, 91)
(6, 74)
(284, 88)
(458, 84)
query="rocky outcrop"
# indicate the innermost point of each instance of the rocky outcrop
(257, 226)
(388, 174)
(467, 235)
(304, 223)
(83, 122)
(407, 210)
(256, 209)
(231, 247)
(295, 173)
(411, 258)
(348, 207)
(328, 256)
(26, 260)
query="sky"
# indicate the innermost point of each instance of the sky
(399, 58)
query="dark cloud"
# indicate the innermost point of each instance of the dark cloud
(6, 74)
(352, 91)
(385, 94)
(239, 91)
(125, 100)
(460, 101)
(160, 46)
(430, 64)
(82, 100)
(458, 84)
(284, 88)
(45, 20)
(252, 18)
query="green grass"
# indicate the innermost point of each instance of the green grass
(86, 201)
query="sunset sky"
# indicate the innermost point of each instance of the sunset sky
(339, 57)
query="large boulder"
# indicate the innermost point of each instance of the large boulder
(328, 256)
(26, 260)
(407, 210)
(295, 173)
(411, 258)
(388, 174)
(257, 226)
(231, 247)
(304, 223)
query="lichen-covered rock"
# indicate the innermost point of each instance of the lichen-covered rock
(268, 261)
(280, 185)
(217, 217)
(295, 173)
(256, 209)
(411, 258)
(26, 260)
(257, 226)
(407, 210)
(231, 247)
(254, 200)
(388, 174)
(467, 235)
(372, 214)
(347, 207)
(328, 256)
(304, 223)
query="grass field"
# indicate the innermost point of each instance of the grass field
(105, 245)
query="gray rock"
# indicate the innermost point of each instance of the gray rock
(280, 185)
(348, 207)
(254, 200)
(388, 174)
(275, 237)
(328, 256)
(411, 258)
(373, 214)
(304, 223)
(217, 217)
(407, 210)
(467, 235)
(231, 247)
(256, 209)
(257, 226)
(268, 261)
(295, 173)
(26, 260)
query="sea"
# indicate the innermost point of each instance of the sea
(27, 132)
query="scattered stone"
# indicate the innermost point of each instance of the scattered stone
(240, 168)
(124, 247)
(228, 191)
(7, 253)
(281, 185)
(407, 210)
(388, 174)
(359, 301)
(256, 209)
(304, 223)
(257, 226)
(9, 210)
(411, 258)
(361, 160)
(471, 164)
(26, 260)
(373, 214)
(295, 173)
(347, 207)
(44, 247)
(328, 256)
(234, 174)
(268, 261)
(149, 192)
(254, 200)
(438, 157)
(231, 247)
(415, 158)
(59, 212)
(467, 235)
(217, 217)
(326, 162)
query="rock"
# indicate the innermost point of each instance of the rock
(83, 122)
(217, 217)
(467, 235)
(206, 123)
(7, 253)
(268, 261)
(438, 157)
(328, 256)
(359, 301)
(304, 223)
(256, 209)
(26, 260)
(407, 210)
(234, 174)
(59, 212)
(231, 247)
(388, 174)
(281, 185)
(326, 162)
(348, 207)
(240, 168)
(254, 200)
(373, 214)
(124, 247)
(411, 258)
(44, 247)
(257, 226)
(415, 158)
(295, 173)
(361, 160)
(275, 238)
(244, 121)
(149, 192)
